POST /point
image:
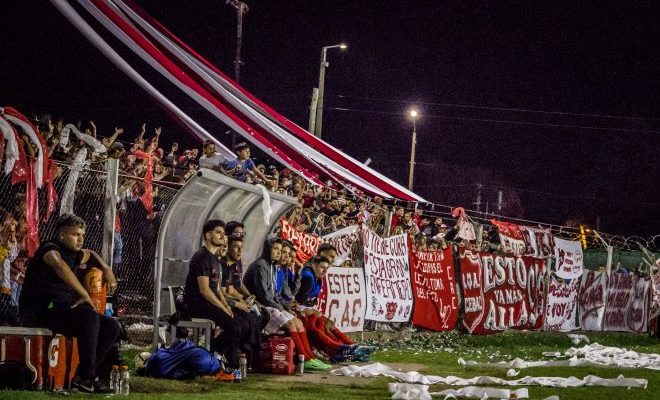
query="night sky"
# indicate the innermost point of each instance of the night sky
(478, 72)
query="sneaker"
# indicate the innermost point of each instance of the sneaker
(224, 376)
(345, 352)
(316, 365)
(82, 385)
(363, 353)
(101, 387)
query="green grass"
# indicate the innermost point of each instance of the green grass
(433, 354)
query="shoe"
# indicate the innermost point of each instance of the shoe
(316, 365)
(224, 376)
(101, 387)
(363, 353)
(82, 385)
(345, 352)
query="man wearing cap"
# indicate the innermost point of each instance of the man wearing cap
(243, 165)
(210, 159)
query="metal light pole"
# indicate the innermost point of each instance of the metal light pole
(316, 126)
(413, 115)
(241, 9)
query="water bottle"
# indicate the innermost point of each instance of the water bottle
(108, 309)
(242, 365)
(114, 379)
(300, 368)
(124, 385)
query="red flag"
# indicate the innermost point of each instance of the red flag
(20, 171)
(32, 211)
(52, 193)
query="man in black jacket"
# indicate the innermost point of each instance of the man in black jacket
(53, 297)
(261, 279)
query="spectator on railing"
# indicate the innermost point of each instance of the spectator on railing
(212, 160)
(243, 166)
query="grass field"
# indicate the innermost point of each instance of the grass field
(431, 354)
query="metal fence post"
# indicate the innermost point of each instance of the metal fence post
(110, 209)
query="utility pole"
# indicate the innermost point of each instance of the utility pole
(318, 114)
(413, 115)
(241, 9)
(312, 110)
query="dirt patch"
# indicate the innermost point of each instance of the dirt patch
(326, 377)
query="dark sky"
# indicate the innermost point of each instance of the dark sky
(591, 65)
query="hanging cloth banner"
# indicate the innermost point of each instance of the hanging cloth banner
(306, 244)
(343, 298)
(562, 305)
(627, 305)
(343, 240)
(654, 310)
(41, 163)
(51, 197)
(524, 240)
(11, 146)
(502, 292)
(387, 276)
(511, 238)
(434, 288)
(569, 259)
(593, 292)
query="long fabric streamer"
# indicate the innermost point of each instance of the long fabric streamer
(378, 369)
(410, 391)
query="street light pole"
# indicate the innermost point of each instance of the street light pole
(318, 120)
(413, 115)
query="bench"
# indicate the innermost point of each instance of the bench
(198, 325)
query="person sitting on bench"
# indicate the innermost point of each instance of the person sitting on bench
(261, 279)
(52, 297)
(203, 297)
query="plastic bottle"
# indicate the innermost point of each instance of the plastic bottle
(242, 365)
(300, 368)
(124, 384)
(114, 379)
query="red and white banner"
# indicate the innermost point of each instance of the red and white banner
(627, 307)
(343, 241)
(593, 293)
(524, 240)
(502, 292)
(654, 310)
(434, 288)
(343, 299)
(387, 276)
(306, 244)
(569, 259)
(562, 305)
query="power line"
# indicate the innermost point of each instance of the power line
(498, 121)
(522, 110)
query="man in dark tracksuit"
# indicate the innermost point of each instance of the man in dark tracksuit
(52, 297)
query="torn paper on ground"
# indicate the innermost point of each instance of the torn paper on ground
(378, 369)
(593, 355)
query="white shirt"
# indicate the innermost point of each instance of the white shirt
(210, 162)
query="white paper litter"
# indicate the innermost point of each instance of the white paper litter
(594, 355)
(378, 369)
(408, 391)
(512, 372)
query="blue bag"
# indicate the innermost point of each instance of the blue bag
(182, 360)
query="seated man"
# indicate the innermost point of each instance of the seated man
(52, 297)
(237, 295)
(203, 298)
(261, 279)
(322, 332)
